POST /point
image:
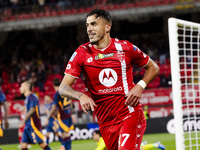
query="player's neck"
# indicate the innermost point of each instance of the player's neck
(103, 43)
(56, 88)
(27, 93)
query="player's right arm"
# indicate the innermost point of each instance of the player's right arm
(27, 116)
(5, 114)
(66, 90)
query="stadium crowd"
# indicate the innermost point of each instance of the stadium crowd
(60, 3)
(29, 9)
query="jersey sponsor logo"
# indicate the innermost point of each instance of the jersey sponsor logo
(68, 66)
(110, 90)
(108, 77)
(121, 56)
(73, 56)
(90, 60)
(102, 56)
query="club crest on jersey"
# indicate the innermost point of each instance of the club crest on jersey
(108, 77)
(73, 56)
(121, 56)
(102, 56)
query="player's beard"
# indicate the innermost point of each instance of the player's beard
(99, 38)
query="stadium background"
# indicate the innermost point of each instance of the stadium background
(37, 39)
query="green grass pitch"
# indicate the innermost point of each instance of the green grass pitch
(166, 139)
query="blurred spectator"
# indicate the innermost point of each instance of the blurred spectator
(164, 81)
(22, 75)
(14, 6)
(41, 5)
(68, 4)
(137, 76)
(41, 77)
(33, 78)
(61, 4)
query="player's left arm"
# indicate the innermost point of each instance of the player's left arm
(5, 114)
(135, 93)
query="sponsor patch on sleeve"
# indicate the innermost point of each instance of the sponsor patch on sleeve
(135, 47)
(73, 56)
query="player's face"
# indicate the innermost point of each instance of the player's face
(95, 136)
(47, 99)
(96, 28)
(23, 88)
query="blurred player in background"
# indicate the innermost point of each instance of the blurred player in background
(53, 123)
(22, 112)
(107, 65)
(96, 135)
(64, 115)
(3, 104)
(32, 131)
(152, 146)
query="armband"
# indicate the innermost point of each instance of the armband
(142, 84)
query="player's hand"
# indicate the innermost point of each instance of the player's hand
(87, 103)
(134, 96)
(46, 122)
(21, 124)
(6, 124)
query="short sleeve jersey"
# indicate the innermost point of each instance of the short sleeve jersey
(2, 99)
(108, 76)
(64, 106)
(34, 121)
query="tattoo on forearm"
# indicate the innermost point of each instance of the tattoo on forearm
(67, 91)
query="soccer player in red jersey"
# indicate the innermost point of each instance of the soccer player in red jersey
(107, 65)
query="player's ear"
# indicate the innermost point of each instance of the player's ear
(108, 28)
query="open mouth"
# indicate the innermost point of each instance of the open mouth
(91, 35)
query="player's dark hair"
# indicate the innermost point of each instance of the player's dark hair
(97, 132)
(101, 13)
(56, 82)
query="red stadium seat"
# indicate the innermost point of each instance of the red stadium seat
(40, 14)
(4, 88)
(68, 11)
(16, 85)
(130, 5)
(36, 89)
(50, 93)
(88, 9)
(47, 13)
(81, 10)
(54, 13)
(10, 96)
(41, 94)
(58, 76)
(61, 12)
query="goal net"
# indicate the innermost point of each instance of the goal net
(184, 39)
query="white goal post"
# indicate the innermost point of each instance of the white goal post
(184, 40)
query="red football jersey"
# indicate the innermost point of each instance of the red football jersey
(108, 76)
